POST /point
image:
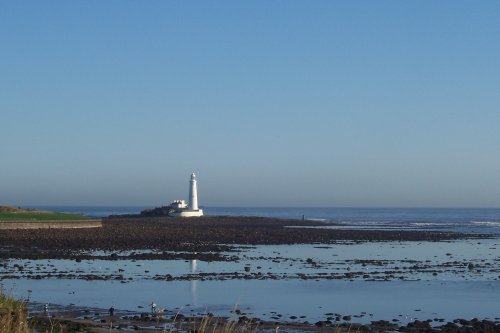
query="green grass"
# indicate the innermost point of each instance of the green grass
(45, 216)
(13, 315)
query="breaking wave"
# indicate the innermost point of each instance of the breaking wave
(486, 223)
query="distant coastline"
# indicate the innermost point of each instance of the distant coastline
(27, 218)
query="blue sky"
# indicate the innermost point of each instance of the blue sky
(272, 103)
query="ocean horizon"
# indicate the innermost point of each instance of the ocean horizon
(477, 220)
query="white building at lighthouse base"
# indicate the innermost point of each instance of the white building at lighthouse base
(180, 209)
(187, 213)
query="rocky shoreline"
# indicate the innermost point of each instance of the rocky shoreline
(126, 244)
(76, 319)
(204, 238)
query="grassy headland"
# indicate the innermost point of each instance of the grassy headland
(8, 213)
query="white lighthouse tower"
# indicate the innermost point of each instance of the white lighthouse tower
(193, 193)
(192, 209)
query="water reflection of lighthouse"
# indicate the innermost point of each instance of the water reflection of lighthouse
(194, 291)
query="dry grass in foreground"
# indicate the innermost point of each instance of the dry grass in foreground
(13, 315)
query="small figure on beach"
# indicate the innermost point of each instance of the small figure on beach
(153, 307)
(111, 311)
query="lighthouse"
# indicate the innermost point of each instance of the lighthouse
(193, 193)
(191, 209)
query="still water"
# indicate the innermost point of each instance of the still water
(371, 281)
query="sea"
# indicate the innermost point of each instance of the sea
(399, 281)
(472, 220)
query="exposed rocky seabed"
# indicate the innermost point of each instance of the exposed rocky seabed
(243, 253)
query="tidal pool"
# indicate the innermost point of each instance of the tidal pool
(414, 280)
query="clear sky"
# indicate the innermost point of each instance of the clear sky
(272, 103)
